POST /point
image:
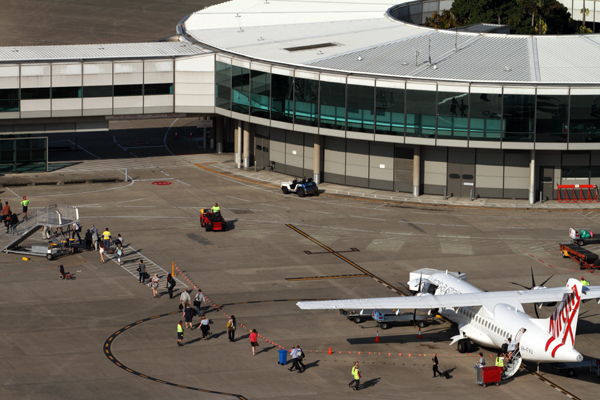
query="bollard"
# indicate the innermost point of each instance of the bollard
(445, 193)
(255, 166)
(541, 197)
(471, 195)
(125, 174)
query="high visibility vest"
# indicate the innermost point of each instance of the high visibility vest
(355, 373)
(216, 209)
(499, 362)
(25, 203)
(179, 328)
(585, 283)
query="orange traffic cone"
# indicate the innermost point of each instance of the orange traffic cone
(377, 338)
(419, 336)
(330, 352)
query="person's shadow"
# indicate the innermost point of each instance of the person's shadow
(370, 383)
(312, 364)
(266, 349)
(447, 373)
(217, 335)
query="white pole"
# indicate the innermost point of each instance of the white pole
(125, 174)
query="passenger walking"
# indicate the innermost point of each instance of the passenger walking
(102, 250)
(155, 283)
(141, 269)
(253, 338)
(300, 358)
(480, 363)
(120, 239)
(355, 376)
(198, 301)
(294, 354)
(106, 237)
(6, 214)
(88, 240)
(95, 237)
(231, 328)
(25, 204)
(76, 230)
(204, 327)
(179, 333)
(119, 253)
(187, 316)
(184, 299)
(170, 285)
(14, 220)
(436, 364)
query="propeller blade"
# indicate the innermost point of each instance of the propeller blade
(547, 280)
(518, 284)
(532, 278)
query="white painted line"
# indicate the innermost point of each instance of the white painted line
(130, 201)
(271, 205)
(182, 182)
(144, 147)
(237, 198)
(378, 219)
(79, 147)
(319, 212)
(468, 226)
(166, 134)
(136, 206)
(115, 139)
(12, 192)
(165, 173)
(156, 179)
(416, 223)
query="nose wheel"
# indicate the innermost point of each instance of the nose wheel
(464, 346)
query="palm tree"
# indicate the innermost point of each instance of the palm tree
(540, 7)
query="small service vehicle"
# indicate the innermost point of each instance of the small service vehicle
(583, 236)
(302, 187)
(212, 221)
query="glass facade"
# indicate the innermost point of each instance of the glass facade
(9, 100)
(361, 104)
(584, 123)
(240, 89)
(282, 98)
(420, 113)
(223, 85)
(518, 115)
(485, 111)
(260, 84)
(332, 105)
(551, 121)
(389, 110)
(27, 154)
(453, 115)
(306, 101)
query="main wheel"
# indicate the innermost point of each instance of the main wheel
(49, 257)
(462, 346)
(384, 325)
(301, 192)
(580, 243)
(208, 227)
(421, 324)
(285, 190)
(356, 320)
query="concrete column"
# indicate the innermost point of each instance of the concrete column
(219, 127)
(238, 144)
(532, 178)
(246, 150)
(318, 139)
(417, 171)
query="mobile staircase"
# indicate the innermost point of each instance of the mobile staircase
(512, 366)
(47, 219)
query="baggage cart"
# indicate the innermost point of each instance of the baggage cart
(489, 376)
(583, 236)
(585, 258)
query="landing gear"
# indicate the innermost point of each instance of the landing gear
(464, 346)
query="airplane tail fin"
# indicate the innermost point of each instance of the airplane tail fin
(562, 325)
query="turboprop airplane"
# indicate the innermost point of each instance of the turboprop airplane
(491, 318)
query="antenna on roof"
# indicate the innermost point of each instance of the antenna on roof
(456, 41)
(239, 22)
(416, 58)
(429, 50)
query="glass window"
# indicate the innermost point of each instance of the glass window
(453, 112)
(485, 116)
(35, 93)
(240, 89)
(261, 93)
(66, 92)
(30, 155)
(306, 93)
(282, 98)
(129, 90)
(97, 91)
(551, 118)
(9, 100)
(518, 114)
(154, 89)
(390, 111)
(361, 102)
(333, 105)
(223, 85)
(584, 125)
(420, 113)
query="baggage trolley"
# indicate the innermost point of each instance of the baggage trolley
(489, 375)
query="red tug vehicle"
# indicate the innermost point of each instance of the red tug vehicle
(212, 221)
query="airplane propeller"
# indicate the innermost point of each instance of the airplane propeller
(533, 286)
(415, 310)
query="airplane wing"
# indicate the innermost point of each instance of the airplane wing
(591, 292)
(429, 302)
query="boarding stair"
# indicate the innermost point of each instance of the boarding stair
(511, 367)
(53, 217)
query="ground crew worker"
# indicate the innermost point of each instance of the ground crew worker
(216, 208)
(179, 333)
(356, 376)
(500, 361)
(25, 203)
(584, 282)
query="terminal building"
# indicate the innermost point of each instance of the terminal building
(355, 93)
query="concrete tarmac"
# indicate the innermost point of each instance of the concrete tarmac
(53, 331)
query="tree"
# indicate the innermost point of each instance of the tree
(443, 20)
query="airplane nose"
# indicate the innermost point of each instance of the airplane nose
(567, 354)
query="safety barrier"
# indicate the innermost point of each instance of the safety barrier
(577, 193)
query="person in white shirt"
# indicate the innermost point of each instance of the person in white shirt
(76, 230)
(185, 299)
(294, 354)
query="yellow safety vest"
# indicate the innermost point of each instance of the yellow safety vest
(25, 203)
(355, 373)
(216, 209)
(499, 362)
(179, 328)
(585, 283)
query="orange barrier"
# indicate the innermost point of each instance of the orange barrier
(577, 193)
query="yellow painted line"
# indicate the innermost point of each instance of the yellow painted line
(127, 327)
(128, 370)
(158, 380)
(117, 332)
(143, 376)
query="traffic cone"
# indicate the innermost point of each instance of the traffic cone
(377, 338)
(330, 352)
(419, 336)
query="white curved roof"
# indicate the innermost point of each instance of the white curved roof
(367, 41)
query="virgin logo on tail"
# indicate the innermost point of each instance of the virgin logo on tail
(563, 322)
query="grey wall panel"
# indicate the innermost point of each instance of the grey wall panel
(548, 159)
(403, 168)
(356, 181)
(576, 159)
(461, 156)
(309, 142)
(294, 171)
(516, 171)
(516, 193)
(357, 161)
(403, 187)
(595, 157)
(294, 149)
(381, 184)
(489, 192)
(489, 170)
(334, 178)
(381, 165)
(432, 189)
(277, 149)
(334, 160)
(434, 169)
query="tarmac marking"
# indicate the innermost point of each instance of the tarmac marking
(548, 382)
(12, 192)
(312, 278)
(79, 147)
(237, 198)
(130, 201)
(378, 219)
(187, 184)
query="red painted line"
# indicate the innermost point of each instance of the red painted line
(4, 274)
(530, 254)
(26, 271)
(541, 261)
